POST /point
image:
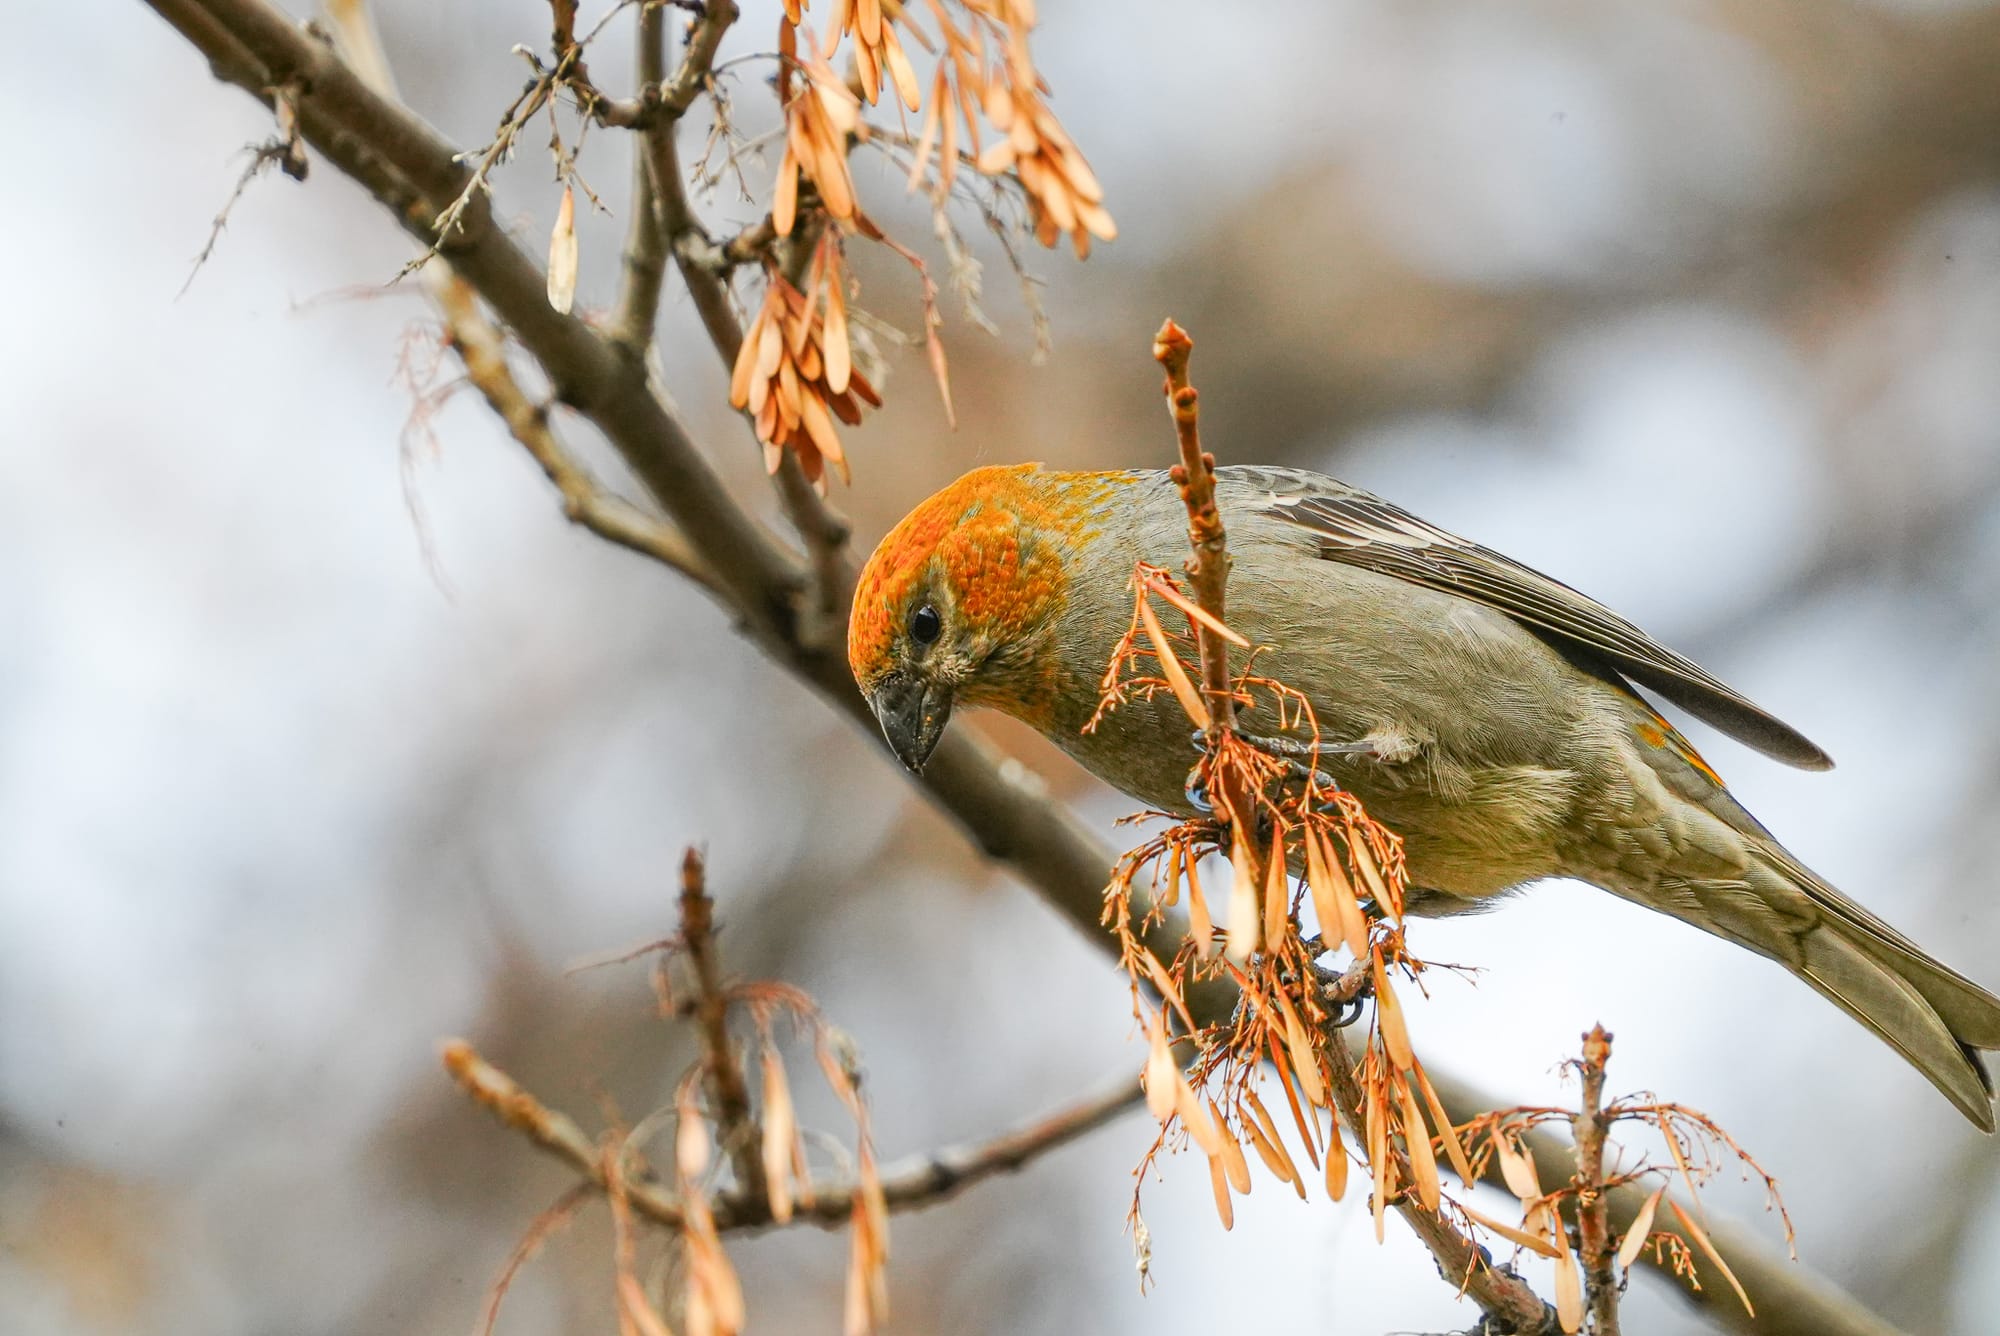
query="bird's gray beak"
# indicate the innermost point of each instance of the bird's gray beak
(913, 714)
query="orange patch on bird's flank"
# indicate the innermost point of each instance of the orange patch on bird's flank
(1663, 735)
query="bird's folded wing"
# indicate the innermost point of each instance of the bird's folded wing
(1365, 531)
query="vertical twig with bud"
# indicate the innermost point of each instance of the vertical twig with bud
(1592, 1261)
(1593, 1205)
(721, 1069)
(1208, 576)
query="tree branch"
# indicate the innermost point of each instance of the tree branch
(645, 240)
(1791, 1299)
(1506, 1299)
(482, 351)
(908, 1185)
(703, 40)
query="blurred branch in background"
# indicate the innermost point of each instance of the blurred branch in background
(909, 1184)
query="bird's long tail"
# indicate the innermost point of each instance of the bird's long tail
(1724, 873)
(1683, 845)
(1934, 1016)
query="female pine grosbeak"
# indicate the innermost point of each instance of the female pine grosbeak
(1478, 708)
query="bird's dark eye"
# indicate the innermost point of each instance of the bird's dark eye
(925, 625)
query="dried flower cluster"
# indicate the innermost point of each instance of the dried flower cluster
(986, 67)
(1696, 1150)
(987, 64)
(1351, 870)
(795, 371)
(720, 1133)
(1320, 848)
(985, 70)
(870, 25)
(818, 120)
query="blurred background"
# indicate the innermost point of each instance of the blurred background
(322, 736)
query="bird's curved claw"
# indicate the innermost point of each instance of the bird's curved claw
(1344, 991)
(1196, 792)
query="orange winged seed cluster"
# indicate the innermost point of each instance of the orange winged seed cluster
(795, 373)
(987, 67)
(818, 120)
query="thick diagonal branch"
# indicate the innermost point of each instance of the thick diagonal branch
(645, 255)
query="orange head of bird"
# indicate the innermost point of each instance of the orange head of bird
(956, 605)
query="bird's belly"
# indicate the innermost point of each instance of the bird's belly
(1483, 833)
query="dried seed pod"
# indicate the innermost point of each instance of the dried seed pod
(1639, 1230)
(1569, 1286)
(1517, 1168)
(563, 255)
(1277, 900)
(1389, 1020)
(1200, 926)
(1161, 1075)
(780, 1134)
(1233, 1163)
(1417, 1139)
(1219, 1181)
(1245, 930)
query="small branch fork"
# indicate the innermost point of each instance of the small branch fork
(482, 351)
(911, 1184)
(759, 1199)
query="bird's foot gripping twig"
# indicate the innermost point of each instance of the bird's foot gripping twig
(1344, 992)
(1298, 757)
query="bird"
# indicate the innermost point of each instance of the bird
(1487, 713)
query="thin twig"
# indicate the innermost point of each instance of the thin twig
(552, 1219)
(1208, 559)
(912, 1184)
(1593, 1204)
(270, 153)
(722, 1072)
(1208, 575)
(645, 240)
(481, 349)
